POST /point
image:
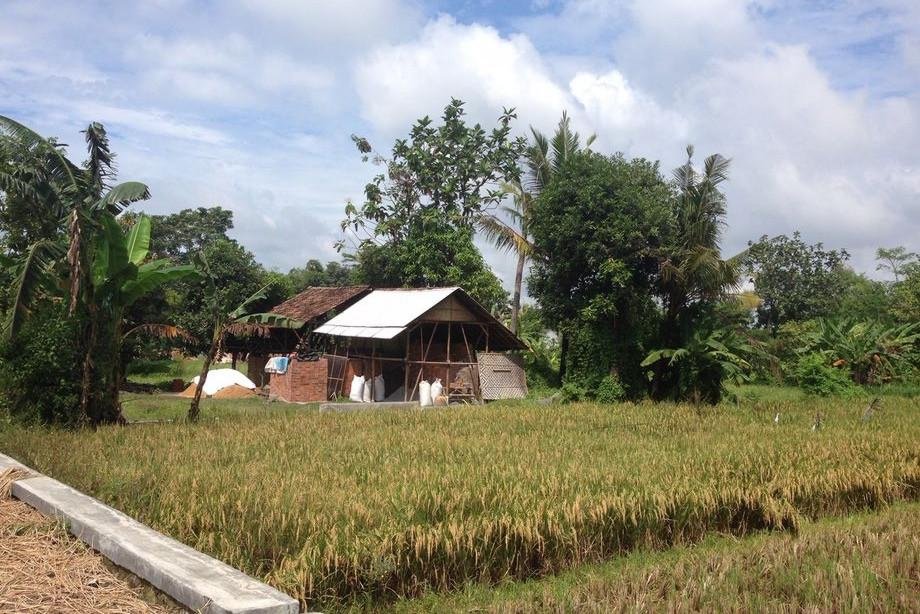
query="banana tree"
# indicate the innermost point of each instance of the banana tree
(704, 364)
(119, 277)
(240, 320)
(83, 195)
(872, 352)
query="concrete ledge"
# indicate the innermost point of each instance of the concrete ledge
(363, 406)
(190, 577)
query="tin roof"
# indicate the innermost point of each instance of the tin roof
(384, 314)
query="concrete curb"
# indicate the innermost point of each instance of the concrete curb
(192, 578)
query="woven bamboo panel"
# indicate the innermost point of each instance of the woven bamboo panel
(501, 376)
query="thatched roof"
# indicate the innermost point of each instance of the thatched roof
(316, 302)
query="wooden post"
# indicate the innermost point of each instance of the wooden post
(406, 366)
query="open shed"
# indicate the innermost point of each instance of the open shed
(408, 336)
(313, 306)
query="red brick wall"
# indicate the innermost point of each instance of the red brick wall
(304, 382)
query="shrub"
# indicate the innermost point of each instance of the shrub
(814, 375)
(610, 390)
(40, 370)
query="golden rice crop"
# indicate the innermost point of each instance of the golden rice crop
(366, 506)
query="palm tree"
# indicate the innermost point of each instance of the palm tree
(693, 274)
(513, 237)
(543, 158)
(692, 269)
(542, 164)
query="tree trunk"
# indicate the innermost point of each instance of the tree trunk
(86, 384)
(563, 355)
(516, 300)
(193, 409)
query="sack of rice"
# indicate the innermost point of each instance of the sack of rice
(379, 389)
(436, 388)
(424, 394)
(368, 394)
(357, 389)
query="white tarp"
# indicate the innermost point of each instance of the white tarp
(383, 314)
(218, 379)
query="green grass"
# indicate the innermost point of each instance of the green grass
(361, 508)
(160, 373)
(862, 563)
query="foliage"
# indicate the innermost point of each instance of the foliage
(415, 227)
(40, 368)
(706, 362)
(862, 298)
(906, 295)
(795, 280)
(313, 273)
(541, 360)
(236, 276)
(597, 227)
(871, 352)
(179, 235)
(443, 174)
(815, 375)
(442, 256)
(610, 390)
(564, 485)
(100, 264)
(895, 260)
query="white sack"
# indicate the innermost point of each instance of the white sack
(218, 379)
(357, 388)
(436, 389)
(424, 393)
(379, 389)
(368, 394)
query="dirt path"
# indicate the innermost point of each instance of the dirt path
(44, 569)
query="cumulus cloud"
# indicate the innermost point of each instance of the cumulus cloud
(249, 104)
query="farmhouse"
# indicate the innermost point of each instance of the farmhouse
(401, 339)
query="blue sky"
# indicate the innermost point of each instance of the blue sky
(249, 104)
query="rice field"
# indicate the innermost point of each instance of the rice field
(359, 509)
(863, 563)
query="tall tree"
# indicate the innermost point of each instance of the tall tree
(433, 188)
(509, 231)
(692, 269)
(795, 280)
(598, 227)
(894, 260)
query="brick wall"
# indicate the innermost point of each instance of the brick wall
(304, 382)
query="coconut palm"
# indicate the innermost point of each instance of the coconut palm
(508, 232)
(692, 269)
(512, 236)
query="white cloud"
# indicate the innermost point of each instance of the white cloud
(397, 84)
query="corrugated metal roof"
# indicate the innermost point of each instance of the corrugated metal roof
(383, 314)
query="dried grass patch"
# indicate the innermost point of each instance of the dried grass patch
(44, 569)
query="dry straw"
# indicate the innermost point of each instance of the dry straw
(43, 569)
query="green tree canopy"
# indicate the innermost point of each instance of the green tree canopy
(795, 280)
(314, 273)
(415, 227)
(597, 229)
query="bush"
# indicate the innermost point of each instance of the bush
(610, 390)
(40, 370)
(814, 375)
